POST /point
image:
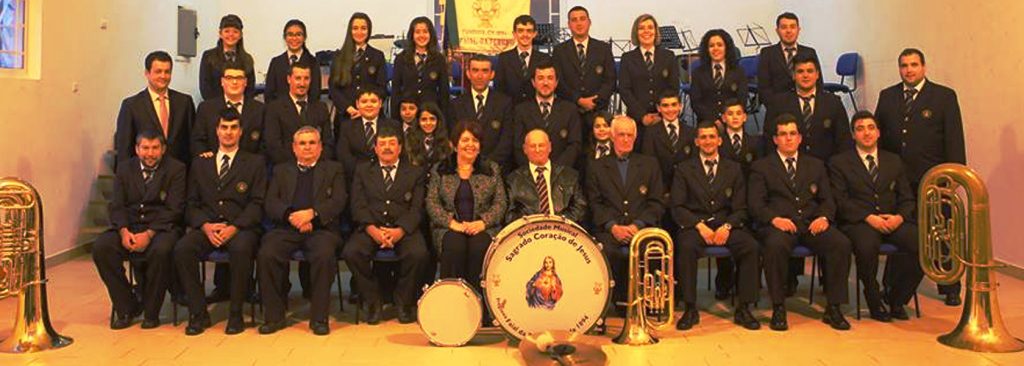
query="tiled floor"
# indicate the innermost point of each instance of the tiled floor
(79, 308)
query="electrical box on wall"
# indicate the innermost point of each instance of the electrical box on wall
(187, 32)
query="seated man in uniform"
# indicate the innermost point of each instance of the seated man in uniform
(626, 194)
(875, 204)
(543, 186)
(225, 207)
(387, 210)
(304, 201)
(145, 218)
(709, 206)
(791, 198)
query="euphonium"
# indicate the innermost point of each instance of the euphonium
(958, 244)
(22, 270)
(651, 294)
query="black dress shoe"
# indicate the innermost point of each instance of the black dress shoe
(952, 299)
(779, 322)
(834, 317)
(898, 312)
(373, 314)
(150, 323)
(122, 321)
(745, 319)
(197, 324)
(406, 315)
(879, 313)
(218, 295)
(320, 327)
(236, 324)
(690, 318)
(722, 294)
(271, 328)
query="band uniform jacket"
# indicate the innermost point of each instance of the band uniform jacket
(857, 196)
(368, 71)
(496, 144)
(751, 149)
(613, 202)
(773, 73)
(429, 84)
(722, 201)
(329, 193)
(235, 200)
(352, 145)
(596, 77)
(769, 194)
(825, 133)
(211, 68)
(401, 206)
(562, 125)
(137, 114)
(489, 199)
(932, 133)
(277, 76)
(204, 132)
(707, 99)
(567, 198)
(657, 145)
(510, 78)
(282, 120)
(158, 205)
(639, 88)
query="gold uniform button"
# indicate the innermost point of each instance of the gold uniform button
(625, 203)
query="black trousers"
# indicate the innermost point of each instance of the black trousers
(462, 256)
(618, 260)
(690, 247)
(275, 254)
(412, 257)
(241, 253)
(831, 245)
(109, 256)
(903, 282)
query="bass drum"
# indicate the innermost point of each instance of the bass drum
(545, 273)
(449, 312)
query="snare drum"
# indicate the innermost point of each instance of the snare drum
(545, 273)
(449, 312)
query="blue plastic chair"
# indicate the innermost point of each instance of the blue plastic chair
(801, 251)
(753, 105)
(456, 87)
(846, 66)
(222, 256)
(299, 256)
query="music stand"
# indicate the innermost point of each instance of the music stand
(690, 44)
(670, 37)
(753, 35)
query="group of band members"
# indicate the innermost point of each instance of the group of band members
(262, 180)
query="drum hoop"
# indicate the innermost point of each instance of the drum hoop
(456, 282)
(529, 219)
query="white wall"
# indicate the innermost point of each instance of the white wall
(55, 137)
(325, 22)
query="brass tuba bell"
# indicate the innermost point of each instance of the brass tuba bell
(651, 294)
(962, 244)
(22, 269)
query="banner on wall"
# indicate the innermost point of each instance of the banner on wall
(485, 26)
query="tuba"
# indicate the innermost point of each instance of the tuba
(960, 245)
(22, 269)
(651, 294)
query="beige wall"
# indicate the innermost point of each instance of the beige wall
(974, 47)
(55, 137)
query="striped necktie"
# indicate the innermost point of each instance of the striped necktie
(542, 191)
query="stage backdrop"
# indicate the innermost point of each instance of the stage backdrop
(483, 26)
